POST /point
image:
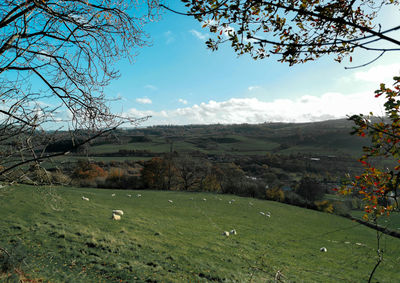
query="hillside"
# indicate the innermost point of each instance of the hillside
(319, 138)
(64, 238)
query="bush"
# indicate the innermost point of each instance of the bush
(294, 199)
(324, 206)
(87, 170)
(275, 194)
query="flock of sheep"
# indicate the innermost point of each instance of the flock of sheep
(117, 214)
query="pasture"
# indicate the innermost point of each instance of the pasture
(168, 236)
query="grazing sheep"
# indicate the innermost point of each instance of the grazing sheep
(85, 198)
(229, 202)
(262, 213)
(116, 217)
(138, 195)
(113, 195)
(233, 232)
(204, 199)
(359, 244)
(323, 249)
(118, 211)
(170, 201)
(268, 214)
(129, 196)
(225, 233)
(347, 243)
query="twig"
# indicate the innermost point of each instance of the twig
(5, 251)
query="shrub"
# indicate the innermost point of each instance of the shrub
(88, 170)
(275, 194)
(324, 205)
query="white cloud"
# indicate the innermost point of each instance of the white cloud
(151, 87)
(169, 36)
(379, 74)
(183, 101)
(253, 87)
(252, 110)
(199, 35)
(143, 100)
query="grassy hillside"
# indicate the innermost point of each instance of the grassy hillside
(322, 138)
(65, 238)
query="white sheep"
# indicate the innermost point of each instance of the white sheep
(262, 213)
(204, 199)
(116, 217)
(225, 233)
(85, 198)
(113, 195)
(323, 249)
(170, 201)
(138, 195)
(118, 212)
(129, 196)
(233, 232)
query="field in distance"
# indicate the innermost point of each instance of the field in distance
(319, 138)
(169, 236)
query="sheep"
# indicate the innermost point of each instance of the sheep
(118, 212)
(323, 249)
(129, 196)
(225, 233)
(262, 213)
(85, 198)
(138, 195)
(170, 201)
(113, 195)
(233, 232)
(204, 199)
(268, 214)
(116, 217)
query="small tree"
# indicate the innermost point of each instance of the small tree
(310, 189)
(154, 174)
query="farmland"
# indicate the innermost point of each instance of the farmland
(63, 238)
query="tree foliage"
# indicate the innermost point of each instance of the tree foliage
(379, 187)
(297, 31)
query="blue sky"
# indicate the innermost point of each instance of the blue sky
(178, 81)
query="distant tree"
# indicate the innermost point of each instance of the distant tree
(191, 172)
(310, 189)
(275, 193)
(230, 177)
(154, 174)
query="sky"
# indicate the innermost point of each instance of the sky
(178, 81)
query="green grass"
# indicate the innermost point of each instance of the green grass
(68, 239)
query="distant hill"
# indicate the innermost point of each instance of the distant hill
(321, 138)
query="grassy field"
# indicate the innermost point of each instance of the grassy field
(66, 239)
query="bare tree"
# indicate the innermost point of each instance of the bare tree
(56, 58)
